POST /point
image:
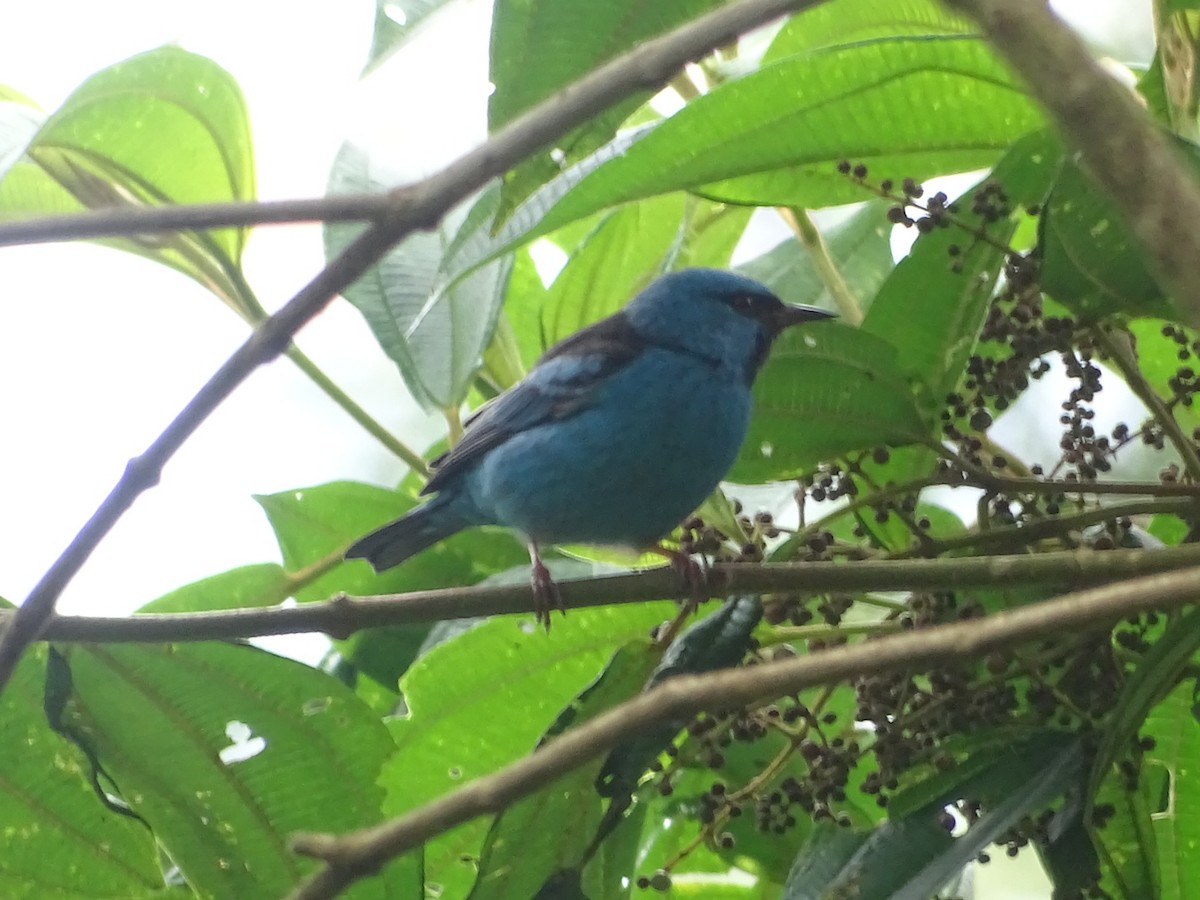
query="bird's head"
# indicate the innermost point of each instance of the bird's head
(717, 314)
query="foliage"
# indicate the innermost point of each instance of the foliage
(176, 769)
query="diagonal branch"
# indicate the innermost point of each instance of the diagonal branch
(351, 857)
(1126, 153)
(410, 208)
(344, 615)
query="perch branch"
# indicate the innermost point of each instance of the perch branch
(351, 857)
(344, 615)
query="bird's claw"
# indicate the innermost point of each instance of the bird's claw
(546, 595)
(692, 573)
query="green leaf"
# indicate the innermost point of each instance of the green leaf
(517, 341)
(624, 254)
(711, 235)
(717, 641)
(60, 839)
(164, 722)
(466, 720)
(1126, 844)
(911, 857)
(262, 584)
(825, 391)
(1091, 262)
(539, 48)
(855, 21)
(932, 311)
(1152, 681)
(860, 247)
(1127, 840)
(434, 331)
(94, 152)
(759, 140)
(315, 525)
(1176, 734)
(549, 831)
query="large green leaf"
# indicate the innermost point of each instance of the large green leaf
(775, 137)
(826, 390)
(619, 258)
(911, 857)
(435, 332)
(855, 21)
(1091, 262)
(517, 857)
(166, 126)
(1173, 726)
(1156, 675)
(1126, 842)
(225, 751)
(261, 584)
(317, 523)
(466, 720)
(60, 840)
(539, 48)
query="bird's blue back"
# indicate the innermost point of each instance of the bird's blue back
(621, 431)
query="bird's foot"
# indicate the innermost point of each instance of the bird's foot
(693, 574)
(546, 595)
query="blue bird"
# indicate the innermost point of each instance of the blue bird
(617, 433)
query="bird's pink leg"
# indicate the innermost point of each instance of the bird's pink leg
(693, 574)
(546, 595)
(695, 578)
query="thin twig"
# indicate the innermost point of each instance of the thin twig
(351, 857)
(356, 412)
(410, 208)
(807, 233)
(344, 615)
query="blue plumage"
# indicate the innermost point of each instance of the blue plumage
(618, 433)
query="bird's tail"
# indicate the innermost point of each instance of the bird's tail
(397, 541)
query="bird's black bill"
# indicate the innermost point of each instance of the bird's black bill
(795, 314)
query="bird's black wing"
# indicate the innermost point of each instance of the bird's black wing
(548, 393)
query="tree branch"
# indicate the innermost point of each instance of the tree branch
(408, 209)
(1130, 157)
(359, 854)
(344, 615)
(123, 221)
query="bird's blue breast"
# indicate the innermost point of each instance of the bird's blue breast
(651, 444)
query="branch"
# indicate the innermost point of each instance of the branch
(344, 615)
(417, 206)
(1127, 154)
(124, 221)
(359, 854)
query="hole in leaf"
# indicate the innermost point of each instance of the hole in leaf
(243, 745)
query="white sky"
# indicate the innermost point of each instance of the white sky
(99, 349)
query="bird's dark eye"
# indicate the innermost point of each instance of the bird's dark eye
(745, 304)
(753, 306)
